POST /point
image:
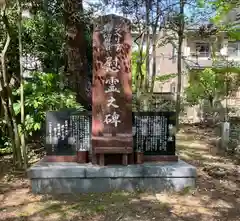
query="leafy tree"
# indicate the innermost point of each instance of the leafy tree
(8, 42)
(42, 38)
(223, 9)
(205, 84)
(43, 94)
(212, 84)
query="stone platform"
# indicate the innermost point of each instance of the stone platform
(56, 177)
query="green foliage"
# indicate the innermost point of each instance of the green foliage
(212, 84)
(222, 9)
(165, 77)
(136, 58)
(43, 38)
(234, 33)
(204, 84)
(5, 145)
(42, 94)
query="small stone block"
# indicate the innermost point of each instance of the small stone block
(101, 159)
(124, 159)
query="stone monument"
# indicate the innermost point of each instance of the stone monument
(68, 136)
(154, 136)
(112, 90)
(111, 148)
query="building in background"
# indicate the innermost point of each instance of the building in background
(196, 54)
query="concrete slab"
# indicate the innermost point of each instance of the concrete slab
(51, 177)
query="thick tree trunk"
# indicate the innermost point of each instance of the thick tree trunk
(76, 52)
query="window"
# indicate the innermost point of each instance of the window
(234, 48)
(173, 88)
(202, 49)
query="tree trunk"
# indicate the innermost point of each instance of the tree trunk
(9, 125)
(6, 98)
(147, 2)
(179, 61)
(139, 79)
(154, 40)
(76, 52)
(22, 132)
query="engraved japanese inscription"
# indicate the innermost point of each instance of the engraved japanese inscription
(154, 132)
(111, 88)
(67, 132)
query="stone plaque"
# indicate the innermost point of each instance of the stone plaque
(154, 132)
(80, 124)
(112, 86)
(67, 132)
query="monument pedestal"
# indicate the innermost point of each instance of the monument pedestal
(82, 156)
(71, 177)
(160, 158)
(139, 157)
(58, 158)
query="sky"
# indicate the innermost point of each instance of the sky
(109, 10)
(105, 10)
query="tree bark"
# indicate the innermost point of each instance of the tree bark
(76, 52)
(179, 60)
(139, 78)
(154, 39)
(6, 98)
(147, 2)
(22, 132)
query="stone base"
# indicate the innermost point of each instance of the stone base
(70, 177)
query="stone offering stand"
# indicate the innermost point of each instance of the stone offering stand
(112, 147)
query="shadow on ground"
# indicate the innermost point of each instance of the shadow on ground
(218, 183)
(215, 198)
(105, 207)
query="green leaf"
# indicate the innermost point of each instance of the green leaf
(35, 104)
(17, 108)
(37, 126)
(165, 77)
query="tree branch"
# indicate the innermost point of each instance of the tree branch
(4, 51)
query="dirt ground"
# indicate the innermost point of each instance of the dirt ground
(217, 196)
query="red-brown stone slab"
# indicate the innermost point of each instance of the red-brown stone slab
(82, 156)
(55, 158)
(112, 85)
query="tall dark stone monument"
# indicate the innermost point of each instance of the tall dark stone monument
(112, 90)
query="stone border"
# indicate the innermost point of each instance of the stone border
(70, 169)
(57, 177)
